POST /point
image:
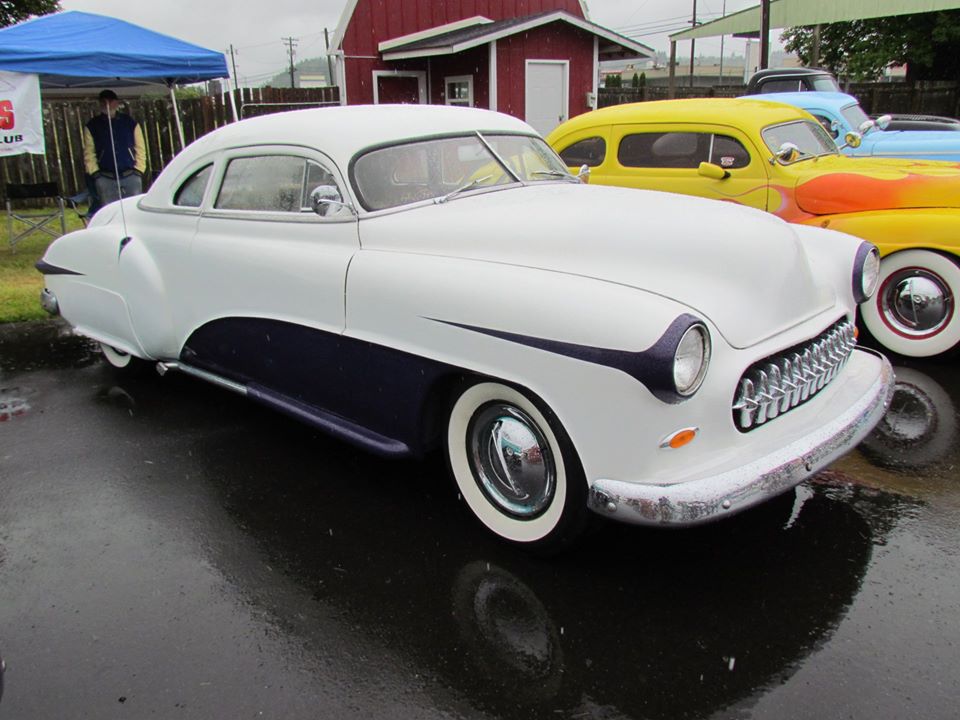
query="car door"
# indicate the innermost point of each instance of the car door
(268, 273)
(667, 157)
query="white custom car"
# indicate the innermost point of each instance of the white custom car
(411, 276)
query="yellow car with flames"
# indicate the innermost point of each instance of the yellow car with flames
(778, 158)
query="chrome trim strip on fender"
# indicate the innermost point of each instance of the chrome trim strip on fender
(706, 499)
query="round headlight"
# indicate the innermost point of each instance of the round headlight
(691, 359)
(866, 272)
(871, 272)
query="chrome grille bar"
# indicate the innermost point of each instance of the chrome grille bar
(780, 382)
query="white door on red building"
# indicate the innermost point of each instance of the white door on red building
(547, 94)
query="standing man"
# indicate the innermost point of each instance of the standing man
(125, 159)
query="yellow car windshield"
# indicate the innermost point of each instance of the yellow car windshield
(809, 137)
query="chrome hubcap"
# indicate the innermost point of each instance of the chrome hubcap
(916, 302)
(511, 460)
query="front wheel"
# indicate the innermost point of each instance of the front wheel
(914, 310)
(516, 469)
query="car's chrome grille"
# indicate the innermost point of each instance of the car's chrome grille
(780, 382)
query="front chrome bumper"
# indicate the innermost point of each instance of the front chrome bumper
(706, 499)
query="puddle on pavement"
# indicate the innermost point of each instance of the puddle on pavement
(49, 344)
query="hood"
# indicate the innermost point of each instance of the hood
(742, 269)
(836, 185)
(928, 144)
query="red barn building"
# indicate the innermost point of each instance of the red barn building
(535, 59)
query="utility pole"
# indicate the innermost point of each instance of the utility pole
(815, 48)
(693, 41)
(723, 13)
(233, 61)
(326, 44)
(764, 34)
(291, 44)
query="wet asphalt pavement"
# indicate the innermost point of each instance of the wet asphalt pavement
(170, 550)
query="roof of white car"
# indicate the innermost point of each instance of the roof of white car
(339, 132)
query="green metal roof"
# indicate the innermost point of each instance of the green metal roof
(791, 13)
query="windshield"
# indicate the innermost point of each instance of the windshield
(440, 168)
(808, 135)
(854, 115)
(825, 83)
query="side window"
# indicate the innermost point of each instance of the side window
(190, 194)
(590, 151)
(728, 153)
(272, 183)
(664, 150)
(828, 125)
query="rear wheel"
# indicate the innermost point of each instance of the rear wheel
(516, 468)
(123, 361)
(914, 311)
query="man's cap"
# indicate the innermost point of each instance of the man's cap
(107, 95)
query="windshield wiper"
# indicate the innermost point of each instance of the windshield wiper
(556, 173)
(462, 188)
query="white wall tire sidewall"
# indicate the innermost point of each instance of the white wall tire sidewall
(117, 359)
(947, 338)
(513, 529)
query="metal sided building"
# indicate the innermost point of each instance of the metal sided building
(535, 59)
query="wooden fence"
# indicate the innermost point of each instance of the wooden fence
(63, 124)
(935, 98)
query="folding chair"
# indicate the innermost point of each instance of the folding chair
(35, 221)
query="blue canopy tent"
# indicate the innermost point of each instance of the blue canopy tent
(77, 49)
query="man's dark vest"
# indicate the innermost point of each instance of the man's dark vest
(123, 137)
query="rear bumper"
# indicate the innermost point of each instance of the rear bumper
(703, 500)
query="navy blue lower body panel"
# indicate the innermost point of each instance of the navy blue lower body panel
(374, 396)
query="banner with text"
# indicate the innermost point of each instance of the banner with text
(21, 116)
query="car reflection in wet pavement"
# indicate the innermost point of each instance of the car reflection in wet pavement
(167, 549)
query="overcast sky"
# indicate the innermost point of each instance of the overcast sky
(256, 30)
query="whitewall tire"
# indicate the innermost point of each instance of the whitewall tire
(123, 361)
(914, 311)
(515, 468)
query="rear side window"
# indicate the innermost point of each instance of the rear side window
(190, 194)
(664, 150)
(589, 151)
(683, 150)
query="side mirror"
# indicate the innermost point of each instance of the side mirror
(712, 171)
(852, 139)
(584, 174)
(883, 122)
(326, 200)
(788, 153)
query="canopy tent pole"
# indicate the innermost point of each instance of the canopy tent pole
(176, 114)
(233, 105)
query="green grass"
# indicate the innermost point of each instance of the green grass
(20, 283)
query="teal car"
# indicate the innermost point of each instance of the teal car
(841, 115)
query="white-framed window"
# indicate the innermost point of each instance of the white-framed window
(392, 86)
(458, 90)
